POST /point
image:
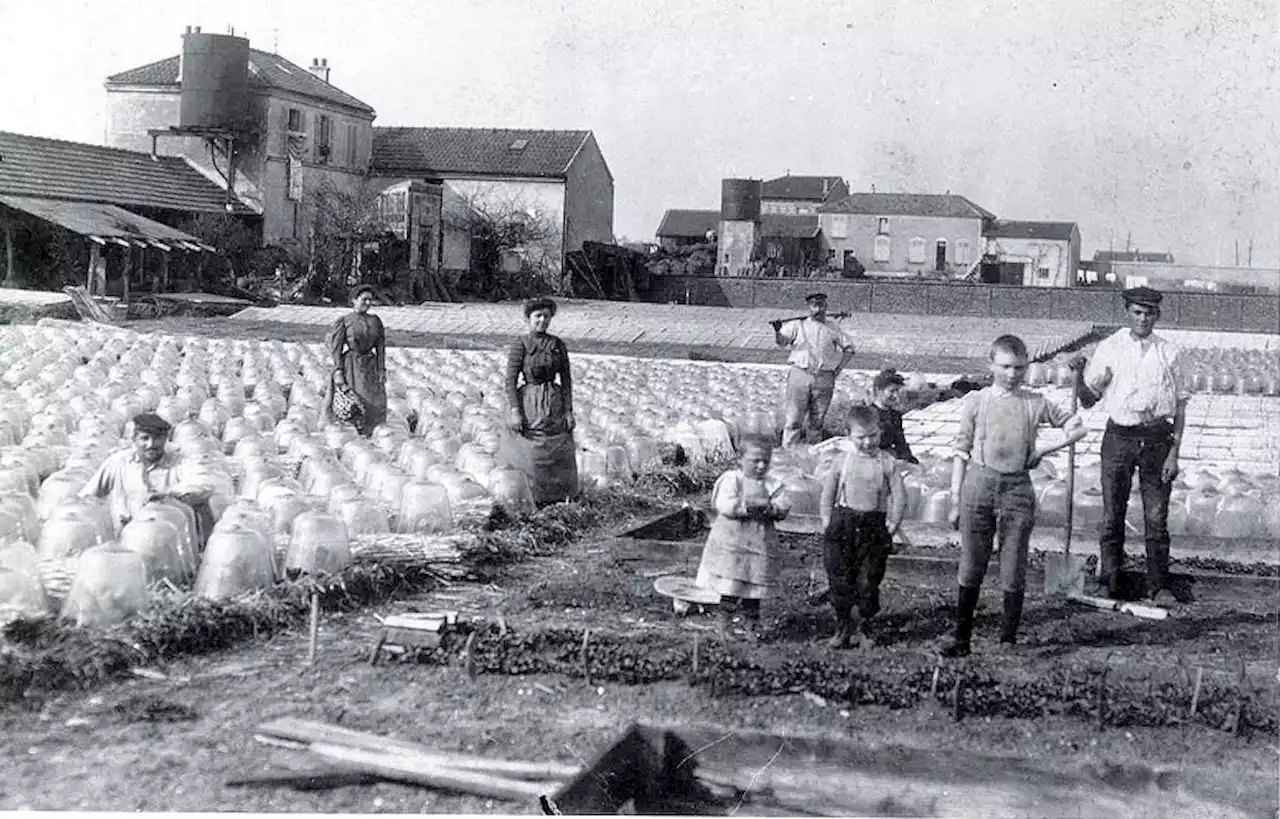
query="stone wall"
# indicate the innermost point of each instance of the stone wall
(1255, 314)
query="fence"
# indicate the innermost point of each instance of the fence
(1250, 313)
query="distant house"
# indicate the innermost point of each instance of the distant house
(558, 177)
(784, 240)
(1034, 254)
(905, 233)
(309, 133)
(111, 218)
(800, 195)
(1103, 259)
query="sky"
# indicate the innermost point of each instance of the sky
(1150, 123)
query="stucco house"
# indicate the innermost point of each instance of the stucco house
(905, 233)
(305, 133)
(1034, 254)
(800, 195)
(558, 178)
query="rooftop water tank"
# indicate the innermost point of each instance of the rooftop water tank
(740, 200)
(215, 80)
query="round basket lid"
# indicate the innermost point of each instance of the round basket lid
(800, 524)
(683, 588)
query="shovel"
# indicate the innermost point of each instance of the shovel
(1064, 573)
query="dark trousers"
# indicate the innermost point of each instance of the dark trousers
(1123, 450)
(856, 548)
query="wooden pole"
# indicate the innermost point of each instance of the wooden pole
(9, 276)
(418, 771)
(315, 627)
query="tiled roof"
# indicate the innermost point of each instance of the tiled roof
(265, 71)
(686, 224)
(54, 169)
(805, 188)
(1056, 231)
(944, 205)
(481, 151)
(691, 224)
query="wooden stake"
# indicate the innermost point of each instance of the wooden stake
(695, 656)
(955, 696)
(1195, 692)
(586, 667)
(377, 647)
(933, 686)
(468, 661)
(315, 627)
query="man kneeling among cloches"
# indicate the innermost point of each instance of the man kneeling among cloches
(991, 484)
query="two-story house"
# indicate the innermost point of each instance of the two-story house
(303, 132)
(800, 195)
(557, 178)
(904, 233)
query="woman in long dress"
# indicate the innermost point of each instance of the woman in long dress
(539, 388)
(358, 344)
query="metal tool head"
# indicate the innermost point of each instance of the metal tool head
(1064, 574)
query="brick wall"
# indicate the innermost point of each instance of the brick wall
(1256, 314)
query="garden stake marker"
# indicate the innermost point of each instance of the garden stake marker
(468, 661)
(933, 686)
(695, 658)
(315, 626)
(586, 669)
(1195, 692)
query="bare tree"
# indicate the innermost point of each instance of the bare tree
(516, 246)
(337, 221)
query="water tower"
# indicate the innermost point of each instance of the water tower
(739, 225)
(213, 105)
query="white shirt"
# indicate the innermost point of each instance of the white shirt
(127, 482)
(815, 345)
(1140, 380)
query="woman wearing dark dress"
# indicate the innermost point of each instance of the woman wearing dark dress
(358, 344)
(539, 389)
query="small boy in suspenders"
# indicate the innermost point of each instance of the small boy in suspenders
(863, 502)
(991, 484)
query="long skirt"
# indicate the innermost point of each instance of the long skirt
(545, 452)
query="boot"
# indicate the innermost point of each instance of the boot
(966, 605)
(844, 631)
(1012, 617)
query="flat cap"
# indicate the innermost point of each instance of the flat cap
(151, 423)
(886, 378)
(816, 297)
(1145, 296)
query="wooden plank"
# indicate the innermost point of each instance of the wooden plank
(418, 770)
(299, 730)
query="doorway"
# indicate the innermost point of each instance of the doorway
(940, 256)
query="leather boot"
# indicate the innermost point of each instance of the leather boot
(966, 606)
(1012, 617)
(844, 631)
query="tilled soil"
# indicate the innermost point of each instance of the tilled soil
(1083, 684)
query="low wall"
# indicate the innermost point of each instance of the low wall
(1203, 311)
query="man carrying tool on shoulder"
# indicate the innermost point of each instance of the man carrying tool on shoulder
(819, 351)
(1136, 377)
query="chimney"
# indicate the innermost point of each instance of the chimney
(320, 68)
(826, 187)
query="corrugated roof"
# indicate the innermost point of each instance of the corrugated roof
(1009, 229)
(480, 151)
(804, 188)
(55, 169)
(1131, 256)
(942, 205)
(265, 71)
(694, 224)
(100, 220)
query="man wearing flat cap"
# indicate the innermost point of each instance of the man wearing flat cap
(1135, 376)
(819, 350)
(131, 478)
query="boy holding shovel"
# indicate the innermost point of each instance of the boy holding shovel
(991, 484)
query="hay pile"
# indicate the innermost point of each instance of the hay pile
(43, 656)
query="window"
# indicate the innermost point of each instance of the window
(882, 249)
(295, 121)
(1043, 273)
(774, 250)
(962, 251)
(353, 145)
(915, 251)
(839, 226)
(882, 226)
(324, 139)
